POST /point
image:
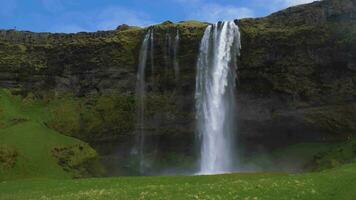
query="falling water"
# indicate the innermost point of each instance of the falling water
(215, 96)
(152, 52)
(140, 95)
(175, 55)
(168, 52)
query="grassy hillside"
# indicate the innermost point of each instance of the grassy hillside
(338, 183)
(29, 149)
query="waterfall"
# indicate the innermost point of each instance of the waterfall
(175, 55)
(168, 50)
(152, 52)
(215, 97)
(140, 96)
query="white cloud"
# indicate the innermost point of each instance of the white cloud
(274, 5)
(68, 28)
(217, 12)
(213, 12)
(107, 18)
(111, 17)
(295, 2)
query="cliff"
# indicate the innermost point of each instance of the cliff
(297, 72)
(296, 79)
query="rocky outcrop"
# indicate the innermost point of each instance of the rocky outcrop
(297, 76)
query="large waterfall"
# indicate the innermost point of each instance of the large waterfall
(141, 94)
(215, 97)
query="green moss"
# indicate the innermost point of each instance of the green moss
(128, 43)
(92, 118)
(12, 56)
(78, 160)
(161, 103)
(336, 156)
(116, 114)
(66, 117)
(8, 157)
(337, 120)
(192, 24)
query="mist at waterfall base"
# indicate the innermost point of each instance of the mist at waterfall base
(218, 146)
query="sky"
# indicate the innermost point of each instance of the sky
(70, 16)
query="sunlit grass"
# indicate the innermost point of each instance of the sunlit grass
(338, 183)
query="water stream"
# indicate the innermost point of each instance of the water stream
(215, 97)
(140, 96)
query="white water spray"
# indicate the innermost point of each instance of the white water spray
(175, 55)
(215, 97)
(141, 94)
(152, 52)
(168, 50)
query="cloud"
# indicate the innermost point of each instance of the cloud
(111, 17)
(7, 8)
(213, 12)
(107, 18)
(217, 12)
(274, 5)
(295, 2)
(68, 28)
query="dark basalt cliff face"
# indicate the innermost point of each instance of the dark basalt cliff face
(297, 79)
(297, 73)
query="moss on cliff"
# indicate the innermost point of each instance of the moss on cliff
(295, 59)
(336, 156)
(80, 160)
(338, 120)
(93, 118)
(8, 157)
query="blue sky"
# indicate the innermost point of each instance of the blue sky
(92, 15)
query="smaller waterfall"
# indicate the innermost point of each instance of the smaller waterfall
(152, 52)
(168, 50)
(215, 97)
(140, 96)
(175, 55)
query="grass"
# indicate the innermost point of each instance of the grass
(23, 132)
(339, 183)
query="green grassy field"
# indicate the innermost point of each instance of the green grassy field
(338, 183)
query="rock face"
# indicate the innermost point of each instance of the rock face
(296, 73)
(297, 76)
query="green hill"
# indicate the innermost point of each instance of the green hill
(29, 149)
